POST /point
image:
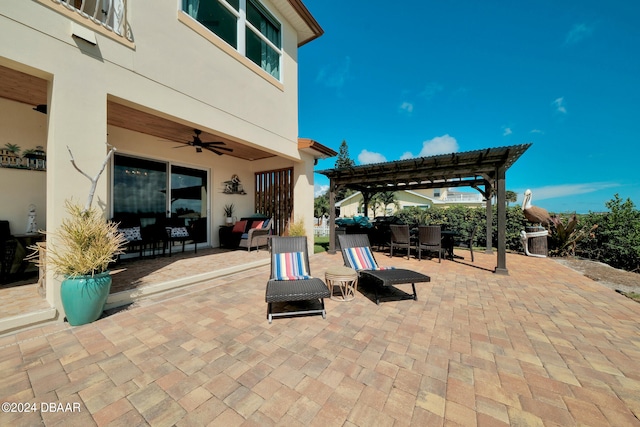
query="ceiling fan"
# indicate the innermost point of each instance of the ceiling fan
(211, 146)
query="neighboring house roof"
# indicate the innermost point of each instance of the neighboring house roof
(356, 194)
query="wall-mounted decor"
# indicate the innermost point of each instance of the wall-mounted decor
(31, 159)
(233, 186)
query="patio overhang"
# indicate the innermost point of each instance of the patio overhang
(483, 170)
(317, 150)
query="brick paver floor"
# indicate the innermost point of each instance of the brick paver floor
(543, 346)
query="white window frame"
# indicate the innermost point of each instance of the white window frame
(242, 24)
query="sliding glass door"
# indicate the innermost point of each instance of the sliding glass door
(189, 199)
(152, 193)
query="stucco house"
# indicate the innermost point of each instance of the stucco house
(156, 80)
(354, 204)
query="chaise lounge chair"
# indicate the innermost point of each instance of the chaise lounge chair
(356, 252)
(291, 279)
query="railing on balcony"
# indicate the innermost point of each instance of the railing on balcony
(111, 14)
(461, 197)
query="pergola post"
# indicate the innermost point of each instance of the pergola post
(366, 198)
(332, 216)
(488, 191)
(501, 268)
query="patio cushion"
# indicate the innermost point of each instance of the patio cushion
(257, 224)
(239, 227)
(131, 234)
(179, 232)
(290, 266)
(361, 258)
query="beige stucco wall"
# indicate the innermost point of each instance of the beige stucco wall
(172, 71)
(19, 188)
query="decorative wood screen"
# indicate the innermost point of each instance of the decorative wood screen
(274, 197)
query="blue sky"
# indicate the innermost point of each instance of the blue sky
(431, 77)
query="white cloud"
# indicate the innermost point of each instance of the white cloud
(506, 131)
(578, 33)
(406, 107)
(439, 145)
(431, 89)
(319, 190)
(558, 103)
(444, 144)
(366, 157)
(564, 190)
(335, 76)
(536, 131)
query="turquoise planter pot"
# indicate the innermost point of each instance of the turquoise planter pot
(84, 297)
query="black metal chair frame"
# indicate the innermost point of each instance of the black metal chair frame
(293, 290)
(181, 239)
(7, 254)
(429, 239)
(469, 243)
(391, 277)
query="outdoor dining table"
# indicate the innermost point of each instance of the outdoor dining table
(448, 239)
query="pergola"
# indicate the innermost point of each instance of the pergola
(485, 170)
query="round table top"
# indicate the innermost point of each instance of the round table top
(341, 271)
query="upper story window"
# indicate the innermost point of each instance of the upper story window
(245, 25)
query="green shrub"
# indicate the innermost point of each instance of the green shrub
(296, 228)
(615, 238)
(612, 237)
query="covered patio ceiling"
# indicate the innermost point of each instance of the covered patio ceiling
(28, 89)
(484, 170)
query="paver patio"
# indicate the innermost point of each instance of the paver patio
(541, 346)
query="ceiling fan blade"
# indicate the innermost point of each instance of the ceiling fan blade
(213, 143)
(219, 148)
(213, 150)
(182, 146)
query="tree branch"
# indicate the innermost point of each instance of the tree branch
(94, 180)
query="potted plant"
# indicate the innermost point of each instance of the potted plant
(81, 251)
(228, 211)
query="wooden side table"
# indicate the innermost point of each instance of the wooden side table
(225, 236)
(346, 279)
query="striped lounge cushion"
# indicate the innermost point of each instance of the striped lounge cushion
(290, 266)
(361, 258)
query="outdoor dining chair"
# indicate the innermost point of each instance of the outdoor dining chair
(429, 239)
(357, 254)
(400, 238)
(291, 278)
(469, 243)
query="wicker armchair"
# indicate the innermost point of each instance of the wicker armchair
(256, 234)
